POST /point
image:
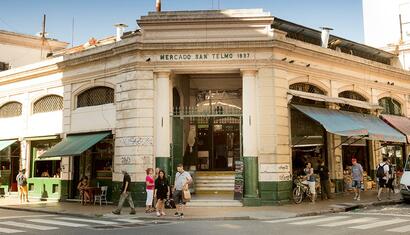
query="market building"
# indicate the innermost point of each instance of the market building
(241, 98)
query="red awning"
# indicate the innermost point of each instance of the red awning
(402, 124)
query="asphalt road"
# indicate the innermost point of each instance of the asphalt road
(378, 220)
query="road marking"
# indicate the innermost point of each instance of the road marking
(379, 224)
(320, 220)
(376, 214)
(56, 222)
(24, 216)
(30, 226)
(400, 229)
(104, 222)
(8, 230)
(130, 220)
(352, 221)
(291, 219)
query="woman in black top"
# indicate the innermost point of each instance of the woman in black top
(161, 192)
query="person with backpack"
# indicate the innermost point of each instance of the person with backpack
(382, 175)
(357, 178)
(22, 185)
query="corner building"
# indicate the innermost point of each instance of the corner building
(241, 98)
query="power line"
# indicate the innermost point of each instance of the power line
(8, 25)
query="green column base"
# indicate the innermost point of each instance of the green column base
(164, 163)
(275, 193)
(138, 193)
(252, 202)
(339, 185)
(250, 177)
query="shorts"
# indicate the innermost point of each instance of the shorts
(312, 187)
(356, 184)
(23, 189)
(178, 197)
(150, 197)
(382, 183)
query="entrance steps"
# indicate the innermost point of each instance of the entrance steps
(214, 200)
(214, 181)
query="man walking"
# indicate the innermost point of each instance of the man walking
(383, 176)
(22, 185)
(125, 194)
(324, 180)
(357, 178)
(182, 180)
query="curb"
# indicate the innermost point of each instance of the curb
(303, 214)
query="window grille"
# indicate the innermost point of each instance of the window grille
(352, 95)
(306, 87)
(11, 109)
(390, 106)
(95, 96)
(48, 103)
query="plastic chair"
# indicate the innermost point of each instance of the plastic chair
(102, 196)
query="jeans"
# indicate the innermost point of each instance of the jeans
(124, 196)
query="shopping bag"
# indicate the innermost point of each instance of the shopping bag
(186, 195)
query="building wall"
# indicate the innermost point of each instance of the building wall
(17, 56)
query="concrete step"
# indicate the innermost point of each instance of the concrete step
(220, 178)
(213, 189)
(214, 203)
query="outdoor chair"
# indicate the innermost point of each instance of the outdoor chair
(2, 193)
(102, 196)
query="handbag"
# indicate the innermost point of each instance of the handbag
(186, 195)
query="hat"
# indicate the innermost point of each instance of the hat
(354, 160)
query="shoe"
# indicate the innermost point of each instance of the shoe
(176, 214)
(378, 198)
(158, 214)
(181, 216)
(163, 213)
(358, 198)
(133, 212)
(116, 212)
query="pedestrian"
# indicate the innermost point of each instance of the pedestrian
(161, 193)
(125, 194)
(22, 185)
(357, 178)
(382, 175)
(311, 181)
(323, 171)
(149, 188)
(182, 180)
(154, 204)
(391, 177)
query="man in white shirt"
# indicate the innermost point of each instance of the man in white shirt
(182, 180)
(382, 173)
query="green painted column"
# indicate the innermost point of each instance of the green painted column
(163, 163)
(251, 176)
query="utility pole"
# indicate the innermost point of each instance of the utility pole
(43, 34)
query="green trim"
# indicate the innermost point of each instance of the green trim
(251, 177)
(137, 190)
(273, 193)
(252, 202)
(48, 188)
(164, 163)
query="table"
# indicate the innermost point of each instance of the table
(92, 191)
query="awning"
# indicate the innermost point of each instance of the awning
(6, 143)
(336, 100)
(74, 145)
(352, 124)
(402, 124)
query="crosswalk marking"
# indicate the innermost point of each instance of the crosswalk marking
(320, 220)
(24, 216)
(56, 222)
(104, 222)
(400, 229)
(129, 220)
(291, 219)
(26, 225)
(352, 221)
(8, 230)
(379, 224)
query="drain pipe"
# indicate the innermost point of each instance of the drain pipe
(158, 5)
(120, 31)
(325, 36)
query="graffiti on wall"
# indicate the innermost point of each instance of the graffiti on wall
(136, 141)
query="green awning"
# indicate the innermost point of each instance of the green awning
(6, 143)
(345, 123)
(74, 145)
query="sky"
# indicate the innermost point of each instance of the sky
(95, 18)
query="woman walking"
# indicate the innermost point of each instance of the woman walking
(150, 184)
(162, 192)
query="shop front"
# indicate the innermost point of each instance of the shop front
(9, 164)
(90, 155)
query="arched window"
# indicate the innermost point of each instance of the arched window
(11, 109)
(48, 103)
(352, 95)
(390, 106)
(95, 96)
(306, 87)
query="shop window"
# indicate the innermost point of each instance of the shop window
(95, 96)
(45, 167)
(48, 103)
(352, 95)
(31, 187)
(390, 106)
(306, 87)
(56, 188)
(11, 109)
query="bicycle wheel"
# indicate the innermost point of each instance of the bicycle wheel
(297, 195)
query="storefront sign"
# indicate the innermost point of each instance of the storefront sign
(238, 189)
(206, 56)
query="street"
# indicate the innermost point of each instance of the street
(377, 220)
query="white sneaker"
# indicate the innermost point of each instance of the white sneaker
(358, 198)
(158, 214)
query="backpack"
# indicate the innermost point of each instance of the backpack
(380, 171)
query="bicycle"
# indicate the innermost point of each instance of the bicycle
(301, 191)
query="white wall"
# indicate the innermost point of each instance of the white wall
(94, 118)
(18, 56)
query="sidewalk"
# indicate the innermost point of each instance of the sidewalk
(339, 204)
